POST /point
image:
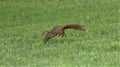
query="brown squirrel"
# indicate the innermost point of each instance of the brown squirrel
(60, 30)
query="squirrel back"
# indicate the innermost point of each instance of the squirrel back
(74, 26)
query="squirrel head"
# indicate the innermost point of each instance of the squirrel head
(46, 36)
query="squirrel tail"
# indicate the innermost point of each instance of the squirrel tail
(74, 26)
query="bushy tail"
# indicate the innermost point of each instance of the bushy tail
(74, 26)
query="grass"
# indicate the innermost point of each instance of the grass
(23, 21)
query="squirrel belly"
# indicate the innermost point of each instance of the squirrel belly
(60, 30)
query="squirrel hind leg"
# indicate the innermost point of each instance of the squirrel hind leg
(62, 35)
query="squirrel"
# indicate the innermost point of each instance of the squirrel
(60, 31)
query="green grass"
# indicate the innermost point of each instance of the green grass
(22, 23)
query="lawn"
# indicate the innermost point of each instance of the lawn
(22, 23)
